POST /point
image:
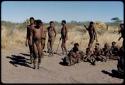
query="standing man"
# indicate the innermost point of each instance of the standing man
(36, 34)
(64, 36)
(92, 34)
(122, 31)
(28, 37)
(121, 65)
(43, 40)
(51, 37)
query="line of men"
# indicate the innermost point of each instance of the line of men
(36, 37)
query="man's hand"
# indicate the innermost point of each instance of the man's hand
(85, 26)
(96, 40)
(55, 35)
(119, 39)
(60, 38)
(26, 43)
(66, 38)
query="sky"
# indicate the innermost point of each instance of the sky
(19, 11)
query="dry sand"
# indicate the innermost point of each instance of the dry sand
(52, 72)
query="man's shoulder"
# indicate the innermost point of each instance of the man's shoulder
(48, 27)
(28, 26)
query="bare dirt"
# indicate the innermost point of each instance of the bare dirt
(16, 69)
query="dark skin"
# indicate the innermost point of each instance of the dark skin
(97, 53)
(122, 32)
(37, 36)
(88, 57)
(51, 37)
(43, 37)
(64, 37)
(106, 50)
(74, 55)
(29, 37)
(88, 54)
(114, 49)
(92, 34)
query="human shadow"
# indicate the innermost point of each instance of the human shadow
(25, 54)
(114, 73)
(63, 62)
(18, 60)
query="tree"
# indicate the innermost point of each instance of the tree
(116, 20)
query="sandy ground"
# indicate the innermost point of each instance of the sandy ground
(51, 71)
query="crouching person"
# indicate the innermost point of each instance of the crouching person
(98, 53)
(89, 56)
(106, 51)
(73, 56)
(114, 51)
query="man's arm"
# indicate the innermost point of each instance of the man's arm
(95, 34)
(85, 27)
(26, 37)
(107, 27)
(54, 31)
(31, 36)
(66, 33)
(120, 38)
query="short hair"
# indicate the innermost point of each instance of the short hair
(91, 22)
(64, 21)
(32, 18)
(51, 22)
(38, 22)
(113, 42)
(87, 49)
(76, 44)
(106, 45)
(121, 24)
(97, 44)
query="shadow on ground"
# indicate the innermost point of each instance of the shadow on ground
(25, 54)
(114, 73)
(19, 60)
(63, 62)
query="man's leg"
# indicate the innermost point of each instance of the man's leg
(62, 46)
(39, 53)
(91, 40)
(44, 43)
(51, 46)
(65, 46)
(52, 43)
(35, 55)
(31, 53)
(124, 43)
(48, 46)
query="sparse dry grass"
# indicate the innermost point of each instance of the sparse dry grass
(14, 38)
